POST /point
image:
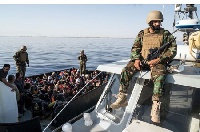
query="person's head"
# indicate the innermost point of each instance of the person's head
(6, 67)
(82, 52)
(154, 19)
(23, 48)
(11, 78)
(18, 75)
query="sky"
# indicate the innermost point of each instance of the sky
(81, 20)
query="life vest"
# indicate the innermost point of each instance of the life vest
(83, 59)
(194, 43)
(151, 40)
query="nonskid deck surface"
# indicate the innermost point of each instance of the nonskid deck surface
(176, 117)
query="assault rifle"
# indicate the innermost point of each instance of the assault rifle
(156, 52)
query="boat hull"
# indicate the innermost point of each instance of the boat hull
(77, 106)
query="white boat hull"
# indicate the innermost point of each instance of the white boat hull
(8, 105)
(191, 23)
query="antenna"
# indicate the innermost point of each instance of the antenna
(163, 10)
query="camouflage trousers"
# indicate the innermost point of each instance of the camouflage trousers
(21, 69)
(157, 75)
(82, 68)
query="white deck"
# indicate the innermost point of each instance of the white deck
(189, 77)
(138, 126)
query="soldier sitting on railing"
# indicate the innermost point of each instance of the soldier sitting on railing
(149, 38)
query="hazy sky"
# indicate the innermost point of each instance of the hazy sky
(80, 20)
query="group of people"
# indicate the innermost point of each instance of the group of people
(63, 85)
(152, 37)
(17, 82)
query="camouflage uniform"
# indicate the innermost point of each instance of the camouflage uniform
(21, 58)
(149, 38)
(83, 59)
(158, 72)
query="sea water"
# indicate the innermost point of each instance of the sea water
(47, 54)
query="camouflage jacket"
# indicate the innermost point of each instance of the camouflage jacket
(18, 59)
(166, 56)
(82, 58)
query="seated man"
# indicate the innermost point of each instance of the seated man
(152, 37)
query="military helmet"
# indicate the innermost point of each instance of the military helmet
(154, 15)
(23, 47)
(82, 52)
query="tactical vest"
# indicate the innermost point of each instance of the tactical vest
(22, 56)
(83, 58)
(151, 40)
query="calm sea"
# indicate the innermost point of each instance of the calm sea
(47, 54)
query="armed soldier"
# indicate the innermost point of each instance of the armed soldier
(152, 37)
(21, 58)
(83, 59)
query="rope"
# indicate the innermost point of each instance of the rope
(70, 101)
(175, 31)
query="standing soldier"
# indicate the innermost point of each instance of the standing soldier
(83, 59)
(151, 37)
(21, 58)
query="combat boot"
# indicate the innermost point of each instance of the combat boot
(155, 111)
(120, 102)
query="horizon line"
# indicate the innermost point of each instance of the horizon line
(67, 37)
